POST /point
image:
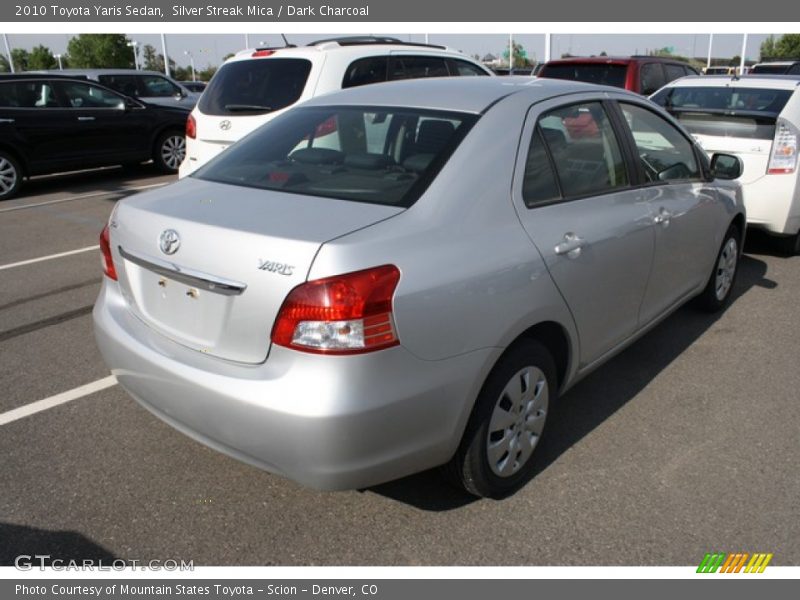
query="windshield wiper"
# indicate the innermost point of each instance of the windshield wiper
(246, 107)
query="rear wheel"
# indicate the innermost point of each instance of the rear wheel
(170, 151)
(496, 454)
(10, 176)
(717, 293)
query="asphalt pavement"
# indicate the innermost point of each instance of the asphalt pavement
(686, 443)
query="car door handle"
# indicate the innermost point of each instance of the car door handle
(571, 246)
(85, 118)
(663, 217)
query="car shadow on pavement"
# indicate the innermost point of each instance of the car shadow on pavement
(28, 542)
(594, 399)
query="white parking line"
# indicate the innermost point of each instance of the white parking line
(31, 261)
(84, 196)
(35, 407)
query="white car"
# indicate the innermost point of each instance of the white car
(255, 86)
(757, 118)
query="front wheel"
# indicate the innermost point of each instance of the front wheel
(717, 293)
(496, 454)
(170, 151)
(10, 176)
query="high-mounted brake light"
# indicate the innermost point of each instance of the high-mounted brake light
(258, 53)
(191, 127)
(105, 248)
(345, 314)
(783, 159)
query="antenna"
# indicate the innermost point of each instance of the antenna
(286, 42)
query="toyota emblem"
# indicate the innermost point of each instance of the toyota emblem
(169, 241)
(225, 125)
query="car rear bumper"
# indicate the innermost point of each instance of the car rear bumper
(773, 203)
(328, 422)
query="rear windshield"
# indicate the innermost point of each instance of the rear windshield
(725, 111)
(770, 69)
(600, 73)
(255, 86)
(377, 155)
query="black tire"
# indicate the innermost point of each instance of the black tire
(471, 467)
(169, 151)
(10, 176)
(717, 293)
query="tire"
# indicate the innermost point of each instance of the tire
(10, 176)
(170, 150)
(493, 459)
(717, 293)
(791, 244)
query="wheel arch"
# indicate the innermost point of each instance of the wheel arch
(20, 158)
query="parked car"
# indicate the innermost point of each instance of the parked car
(420, 289)
(640, 74)
(780, 67)
(758, 119)
(719, 71)
(148, 86)
(51, 124)
(194, 86)
(255, 86)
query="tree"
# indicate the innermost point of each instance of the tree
(20, 57)
(4, 66)
(98, 50)
(207, 73)
(41, 58)
(150, 57)
(520, 56)
(768, 48)
(735, 61)
(788, 46)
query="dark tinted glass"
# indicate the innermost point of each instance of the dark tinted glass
(539, 184)
(463, 68)
(255, 86)
(365, 71)
(651, 78)
(600, 73)
(377, 155)
(674, 72)
(126, 84)
(418, 67)
(27, 94)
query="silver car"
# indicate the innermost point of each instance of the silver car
(407, 275)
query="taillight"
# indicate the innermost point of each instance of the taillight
(105, 248)
(345, 314)
(784, 150)
(191, 127)
(259, 53)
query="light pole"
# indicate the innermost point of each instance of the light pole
(166, 56)
(58, 58)
(246, 41)
(744, 52)
(133, 45)
(191, 62)
(8, 53)
(710, 44)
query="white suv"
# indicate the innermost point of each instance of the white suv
(756, 117)
(254, 86)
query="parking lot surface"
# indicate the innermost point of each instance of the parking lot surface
(688, 442)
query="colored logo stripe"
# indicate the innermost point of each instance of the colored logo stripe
(734, 562)
(711, 562)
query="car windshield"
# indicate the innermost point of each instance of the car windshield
(255, 86)
(725, 111)
(600, 73)
(366, 154)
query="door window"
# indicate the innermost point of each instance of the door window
(462, 68)
(417, 67)
(674, 72)
(664, 152)
(652, 78)
(158, 87)
(584, 149)
(126, 84)
(365, 71)
(28, 94)
(84, 95)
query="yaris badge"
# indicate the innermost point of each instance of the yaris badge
(170, 241)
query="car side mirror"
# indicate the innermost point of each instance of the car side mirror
(726, 166)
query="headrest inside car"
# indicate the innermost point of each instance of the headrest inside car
(317, 156)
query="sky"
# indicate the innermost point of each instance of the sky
(210, 49)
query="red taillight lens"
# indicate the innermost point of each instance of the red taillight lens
(346, 314)
(191, 127)
(259, 53)
(105, 248)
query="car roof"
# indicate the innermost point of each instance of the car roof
(37, 75)
(777, 63)
(616, 60)
(458, 94)
(104, 72)
(780, 82)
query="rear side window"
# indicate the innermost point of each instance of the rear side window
(665, 154)
(27, 94)
(673, 72)
(85, 95)
(126, 84)
(539, 185)
(158, 87)
(584, 149)
(795, 70)
(651, 78)
(255, 86)
(600, 73)
(365, 71)
(462, 68)
(418, 67)
(376, 155)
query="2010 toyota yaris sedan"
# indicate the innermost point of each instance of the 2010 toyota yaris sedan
(407, 275)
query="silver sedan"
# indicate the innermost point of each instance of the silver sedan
(408, 275)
